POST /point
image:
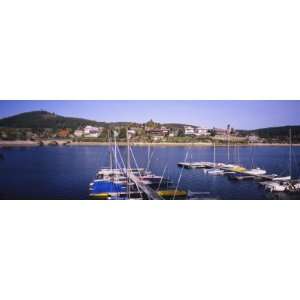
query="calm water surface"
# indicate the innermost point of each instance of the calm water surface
(65, 172)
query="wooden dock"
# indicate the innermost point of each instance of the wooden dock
(151, 194)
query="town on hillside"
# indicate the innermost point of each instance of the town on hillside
(146, 132)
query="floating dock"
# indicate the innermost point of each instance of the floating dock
(228, 169)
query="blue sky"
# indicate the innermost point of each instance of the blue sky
(240, 114)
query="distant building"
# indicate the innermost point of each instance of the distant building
(189, 130)
(201, 131)
(253, 138)
(220, 131)
(78, 133)
(158, 131)
(164, 130)
(131, 133)
(63, 133)
(92, 132)
(90, 129)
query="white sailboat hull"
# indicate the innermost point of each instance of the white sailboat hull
(282, 178)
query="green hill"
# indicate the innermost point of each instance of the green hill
(44, 119)
(280, 133)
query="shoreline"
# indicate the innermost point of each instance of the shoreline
(163, 144)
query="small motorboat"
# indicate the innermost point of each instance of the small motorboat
(256, 171)
(286, 178)
(215, 172)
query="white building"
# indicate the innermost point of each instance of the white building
(164, 130)
(78, 133)
(201, 131)
(91, 131)
(131, 133)
(253, 138)
(189, 130)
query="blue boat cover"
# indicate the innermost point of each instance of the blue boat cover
(107, 187)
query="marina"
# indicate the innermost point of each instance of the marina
(271, 182)
(66, 172)
(121, 181)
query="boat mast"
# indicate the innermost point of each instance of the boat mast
(110, 152)
(290, 153)
(128, 165)
(252, 156)
(115, 139)
(214, 154)
(228, 154)
(234, 154)
(148, 161)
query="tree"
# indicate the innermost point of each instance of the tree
(123, 133)
(180, 132)
(213, 132)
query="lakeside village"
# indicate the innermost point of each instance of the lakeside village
(150, 132)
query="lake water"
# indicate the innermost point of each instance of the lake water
(65, 172)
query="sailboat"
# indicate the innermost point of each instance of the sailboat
(214, 170)
(255, 171)
(282, 184)
(122, 181)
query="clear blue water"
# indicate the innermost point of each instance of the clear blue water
(65, 172)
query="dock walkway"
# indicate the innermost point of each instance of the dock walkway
(151, 194)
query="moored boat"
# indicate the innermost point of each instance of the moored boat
(215, 172)
(173, 194)
(255, 171)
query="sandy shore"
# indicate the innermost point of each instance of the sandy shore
(31, 144)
